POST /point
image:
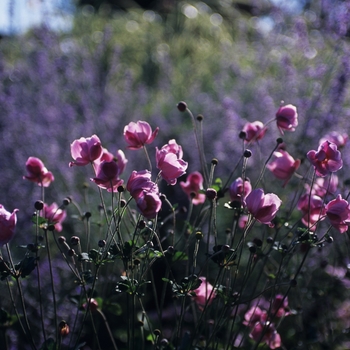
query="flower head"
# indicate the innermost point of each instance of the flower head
(37, 172)
(254, 131)
(8, 223)
(338, 213)
(169, 162)
(192, 186)
(326, 160)
(55, 215)
(263, 206)
(107, 176)
(238, 192)
(145, 192)
(138, 134)
(335, 137)
(140, 181)
(205, 293)
(313, 210)
(287, 118)
(283, 166)
(85, 150)
(149, 204)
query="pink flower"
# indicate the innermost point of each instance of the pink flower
(149, 204)
(254, 131)
(283, 166)
(205, 293)
(8, 223)
(313, 210)
(109, 157)
(263, 206)
(287, 118)
(279, 307)
(140, 181)
(85, 150)
(173, 147)
(266, 333)
(55, 215)
(169, 163)
(192, 186)
(145, 192)
(338, 213)
(335, 137)
(92, 304)
(326, 160)
(242, 221)
(37, 172)
(107, 176)
(253, 315)
(325, 185)
(238, 192)
(138, 134)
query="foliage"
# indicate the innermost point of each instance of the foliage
(120, 280)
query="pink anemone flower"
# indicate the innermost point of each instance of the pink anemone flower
(263, 206)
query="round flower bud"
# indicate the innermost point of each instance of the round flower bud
(120, 189)
(199, 235)
(182, 106)
(51, 227)
(63, 328)
(225, 248)
(200, 117)
(71, 252)
(242, 135)
(211, 193)
(101, 243)
(66, 201)
(269, 240)
(87, 215)
(74, 240)
(214, 161)
(247, 153)
(61, 239)
(39, 205)
(157, 332)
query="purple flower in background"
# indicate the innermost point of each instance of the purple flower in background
(254, 131)
(238, 192)
(107, 176)
(38, 173)
(55, 215)
(86, 150)
(335, 137)
(169, 163)
(283, 166)
(287, 118)
(138, 134)
(263, 206)
(338, 213)
(8, 223)
(326, 160)
(192, 186)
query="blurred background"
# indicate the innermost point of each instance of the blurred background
(70, 69)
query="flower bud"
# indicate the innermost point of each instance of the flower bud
(74, 240)
(101, 243)
(211, 193)
(39, 205)
(182, 106)
(63, 328)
